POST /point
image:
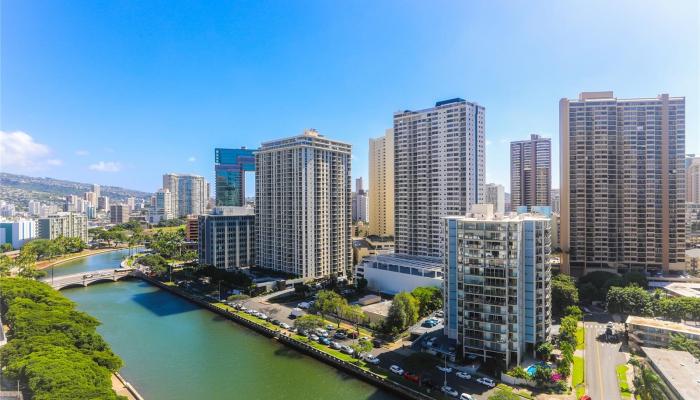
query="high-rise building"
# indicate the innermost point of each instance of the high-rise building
(495, 194)
(531, 172)
(63, 224)
(497, 283)
(119, 213)
(71, 203)
(381, 185)
(438, 171)
(34, 207)
(103, 203)
(163, 205)
(692, 179)
(17, 233)
(192, 228)
(131, 202)
(189, 193)
(230, 166)
(556, 200)
(303, 210)
(359, 202)
(96, 189)
(227, 237)
(622, 183)
(91, 198)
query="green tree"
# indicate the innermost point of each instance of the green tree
(330, 302)
(682, 343)
(564, 368)
(545, 350)
(567, 330)
(403, 313)
(647, 385)
(238, 297)
(574, 311)
(629, 300)
(6, 264)
(635, 278)
(429, 299)
(518, 372)
(354, 314)
(361, 347)
(564, 293)
(308, 322)
(542, 374)
(361, 284)
(4, 247)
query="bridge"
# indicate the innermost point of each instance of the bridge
(89, 277)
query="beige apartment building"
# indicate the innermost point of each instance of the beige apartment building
(622, 183)
(303, 206)
(692, 179)
(381, 185)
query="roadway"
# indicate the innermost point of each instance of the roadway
(601, 359)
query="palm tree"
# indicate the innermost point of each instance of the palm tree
(647, 384)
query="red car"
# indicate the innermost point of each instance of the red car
(585, 397)
(411, 377)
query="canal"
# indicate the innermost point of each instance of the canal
(173, 349)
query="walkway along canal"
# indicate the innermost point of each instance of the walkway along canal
(174, 349)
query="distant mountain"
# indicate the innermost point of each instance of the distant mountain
(19, 189)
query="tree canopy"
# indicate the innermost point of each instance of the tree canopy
(429, 299)
(54, 350)
(564, 293)
(403, 313)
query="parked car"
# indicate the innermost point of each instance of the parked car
(313, 337)
(285, 325)
(371, 359)
(353, 335)
(466, 396)
(324, 340)
(487, 382)
(411, 377)
(304, 305)
(276, 322)
(336, 345)
(330, 327)
(347, 350)
(377, 343)
(396, 369)
(439, 314)
(449, 391)
(463, 375)
(444, 369)
(340, 335)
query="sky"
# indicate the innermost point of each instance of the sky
(120, 92)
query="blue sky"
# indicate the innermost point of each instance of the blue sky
(119, 92)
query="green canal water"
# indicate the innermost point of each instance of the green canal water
(173, 349)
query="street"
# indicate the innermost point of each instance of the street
(601, 358)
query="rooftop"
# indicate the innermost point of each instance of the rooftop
(679, 369)
(425, 263)
(661, 324)
(684, 289)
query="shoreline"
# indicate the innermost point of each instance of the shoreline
(84, 253)
(282, 338)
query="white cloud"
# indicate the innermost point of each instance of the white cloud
(192, 159)
(106, 166)
(82, 153)
(19, 151)
(488, 142)
(55, 162)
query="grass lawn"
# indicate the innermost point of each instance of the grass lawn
(577, 377)
(622, 381)
(580, 338)
(520, 392)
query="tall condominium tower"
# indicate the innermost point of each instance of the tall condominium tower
(497, 283)
(189, 193)
(622, 183)
(96, 189)
(303, 212)
(230, 166)
(438, 171)
(495, 194)
(163, 207)
(692, 179)
(531, 172)
(359, 202)
(381, 184)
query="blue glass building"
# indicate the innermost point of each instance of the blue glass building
(230, 166)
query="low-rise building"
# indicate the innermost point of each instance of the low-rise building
(192, 228)
(657, 333)
(227, 237)
(17, 233)
(679, 371)
(370, 246)
(63, 224)
(394, 273)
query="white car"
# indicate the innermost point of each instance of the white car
(466, 396)
(371, 359)
(285, 325)
(463, 375)
(444, 369)
(396, 369)
(449, 391)
(336, 346)
(487, 382)
(347, 350)
(313, 337)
